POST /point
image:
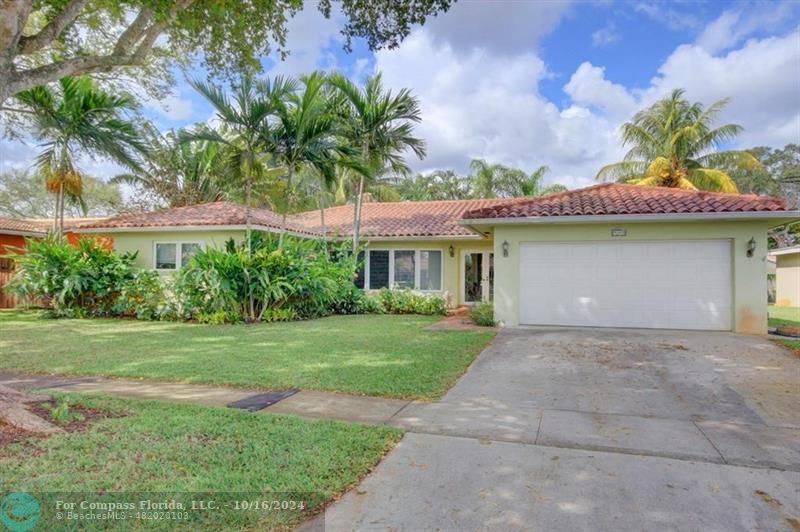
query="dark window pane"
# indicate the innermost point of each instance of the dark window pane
(404, 269)
(166, 256)
(359, 280)
(378, 269)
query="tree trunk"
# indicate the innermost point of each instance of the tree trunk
(61, 213)
(357, 214)
(55, 212)
(248, 189)
(323, 229)
(287, 206)
(14, 413)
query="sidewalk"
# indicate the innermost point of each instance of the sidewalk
(309, 403)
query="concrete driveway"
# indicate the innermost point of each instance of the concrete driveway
(594, 429)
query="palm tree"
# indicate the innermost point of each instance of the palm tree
(82, 119)
(304, 136)
(496, 180)
(673, 144)
(179, 173)
(380, 124)
(243, 123)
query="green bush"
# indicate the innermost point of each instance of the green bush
(483, 314)
(73, 281)
(299, 280)
(142, 297)
(410, 302)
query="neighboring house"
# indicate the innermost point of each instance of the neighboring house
(610, 255)
(787, 276)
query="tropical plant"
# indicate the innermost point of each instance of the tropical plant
(304, 136)
(242, 134)
(436, 185)
(82, 119)
(493, 180)
(673, 144)
(298, 280)
(73, 280)
(177, 173)
(380, 125)
(410, 302)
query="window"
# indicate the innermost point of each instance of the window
(378, 269)
(430, 270)
(404, 268)
(167, 254)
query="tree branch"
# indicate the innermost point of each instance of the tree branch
(33, 43)
(133, 32)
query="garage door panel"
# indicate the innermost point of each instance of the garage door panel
(666, 284)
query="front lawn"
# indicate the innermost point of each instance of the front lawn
(160, 451)
(790, 316)
(372, 355)
(784, 316)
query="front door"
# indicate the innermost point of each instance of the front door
(478, 275)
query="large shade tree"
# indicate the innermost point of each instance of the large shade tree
(42, 41)
(380, 124)
(674, 143)
(77, 119)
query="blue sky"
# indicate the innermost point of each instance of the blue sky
(549, 82)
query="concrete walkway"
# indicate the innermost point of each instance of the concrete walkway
(353, 408)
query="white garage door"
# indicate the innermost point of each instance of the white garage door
(660, 285)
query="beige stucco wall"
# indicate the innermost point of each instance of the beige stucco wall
(144, 242)
(787, 280)
(452, 271)
(749, 273)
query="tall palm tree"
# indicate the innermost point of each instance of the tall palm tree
(381, 125)
(304, 136)
(243, 122)
(673, 144)
(78, 118)
(496, 180)
(179, 173)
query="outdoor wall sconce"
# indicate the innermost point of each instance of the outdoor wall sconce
(505, 248)
(751, 247)
(452, 251)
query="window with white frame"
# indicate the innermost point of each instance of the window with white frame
(419, 269)
(174, 255)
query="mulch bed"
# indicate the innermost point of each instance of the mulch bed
(10, 434)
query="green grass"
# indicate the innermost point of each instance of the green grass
(389, 356)
(784, 316)
(176, 450)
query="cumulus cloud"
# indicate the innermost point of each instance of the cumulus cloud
(502, 27)
(734, 25)
(309, 37)
(485, 103)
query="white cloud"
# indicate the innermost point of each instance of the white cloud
(503, 27)
(673, 19)
(734, 25)
(606, 36)
(173, 107)
(589, 87)
(309, 35)
(480, 105)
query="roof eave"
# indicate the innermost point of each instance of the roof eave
(17, 232)
(775, 217)
(180, 228)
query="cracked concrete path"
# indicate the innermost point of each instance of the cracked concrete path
(596, 429)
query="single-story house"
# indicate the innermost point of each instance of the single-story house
(610, 255)
(787, 276)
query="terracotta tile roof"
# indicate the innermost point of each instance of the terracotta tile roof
(220, 213)
(621, 199)
(399, 218)
(19, 225)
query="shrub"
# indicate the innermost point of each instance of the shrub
(483, 314)
(74, 281)
(410, 302)
(271, 283)
(143, 296)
